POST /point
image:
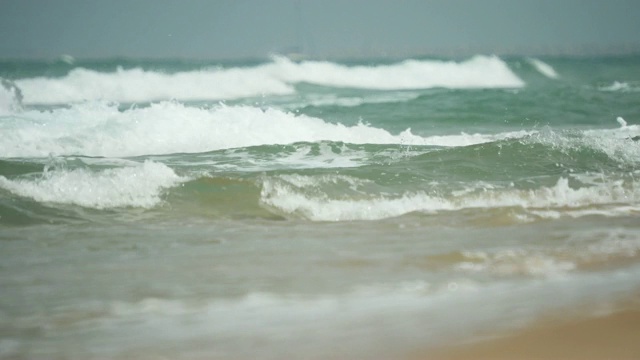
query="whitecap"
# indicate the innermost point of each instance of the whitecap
(288, 197)
(100, 129)
(273, 78)
(132, 186)
(544, 68)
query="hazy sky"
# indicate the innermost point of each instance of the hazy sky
(321, 28)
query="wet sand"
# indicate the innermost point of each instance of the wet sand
(614, 336)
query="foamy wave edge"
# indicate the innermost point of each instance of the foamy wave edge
(100, 129)
(545, 202)
(132, 186)
(273, 78)
(543, 68)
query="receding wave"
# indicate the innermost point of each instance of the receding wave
(273, 78)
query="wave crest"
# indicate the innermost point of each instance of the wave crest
(100, 129)
(543, 68)
(133, 186)
(273, 78)
(308, 202)
(10, 97)
(477, 72)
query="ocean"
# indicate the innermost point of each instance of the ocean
(279, 209)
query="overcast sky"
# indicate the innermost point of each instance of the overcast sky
(322, 28)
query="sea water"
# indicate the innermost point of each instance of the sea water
(313, 209)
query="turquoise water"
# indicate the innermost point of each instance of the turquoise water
(270, 208)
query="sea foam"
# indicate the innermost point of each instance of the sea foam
(272, 78)
(583, 250)
(288, 197)
(543, 68)
(132, 186)
(624, 87)
(615, 143)
(10, 97)
(477, 72)
(100, 129)
(138, 85)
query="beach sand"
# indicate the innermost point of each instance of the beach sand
(613, 336)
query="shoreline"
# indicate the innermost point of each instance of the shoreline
(611, 336)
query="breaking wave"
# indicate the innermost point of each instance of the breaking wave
(100, 129)
(274, 78)
(132, 186)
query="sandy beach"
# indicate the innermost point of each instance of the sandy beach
(613, 336)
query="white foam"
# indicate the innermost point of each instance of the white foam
(100, 129)
(515, 262)
(374, 320)
(279, 193)
(321, 208)
(6, 101)
(464, 139)
(302, 158)
(315, 181)
(543, 68)
(615, 143)
(618, 86)
(133, 186)
(138, 85)
(606, 211)
(477, 72)
(616, 244)
(353, 101)
(10, 97)
(273, 78)
(581, 249)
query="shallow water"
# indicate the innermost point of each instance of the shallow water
(338, 210)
